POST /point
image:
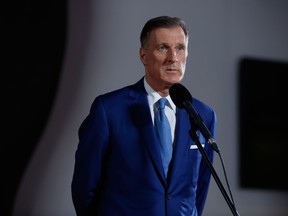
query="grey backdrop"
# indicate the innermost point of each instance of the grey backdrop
(102, 55)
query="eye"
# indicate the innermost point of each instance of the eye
(163, 48)
(180, 48)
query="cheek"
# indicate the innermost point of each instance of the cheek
(183, 61)
(183, 69)
(159, 56)
(151, 60)
(156, 63)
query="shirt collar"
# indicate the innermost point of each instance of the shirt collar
(153, 96)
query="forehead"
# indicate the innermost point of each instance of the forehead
(173, 34)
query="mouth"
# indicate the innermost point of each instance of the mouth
(172, 69)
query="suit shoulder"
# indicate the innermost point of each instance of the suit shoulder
(120, 97)
(200, 104)
(123, 91)
(204, 110)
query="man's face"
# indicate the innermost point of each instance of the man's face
(164, 57)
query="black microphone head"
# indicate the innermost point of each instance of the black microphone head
(179, 94)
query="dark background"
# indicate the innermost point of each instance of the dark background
(35, 42)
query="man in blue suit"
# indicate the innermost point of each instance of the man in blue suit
(118, 166)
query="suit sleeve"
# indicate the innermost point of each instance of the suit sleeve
(89, 157)
(204, 172)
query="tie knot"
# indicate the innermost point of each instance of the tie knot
(161, 103)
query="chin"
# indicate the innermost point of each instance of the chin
(176, 80)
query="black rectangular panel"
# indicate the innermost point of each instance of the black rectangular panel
(263, 124)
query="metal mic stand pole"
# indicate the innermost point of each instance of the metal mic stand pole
(195, 137)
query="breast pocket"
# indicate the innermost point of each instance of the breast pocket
(193, 150)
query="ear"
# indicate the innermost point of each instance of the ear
(142, 54)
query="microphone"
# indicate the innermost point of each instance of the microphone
(183, 99)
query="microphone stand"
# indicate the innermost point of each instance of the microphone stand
(195, 137)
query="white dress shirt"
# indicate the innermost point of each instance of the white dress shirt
(170, 108)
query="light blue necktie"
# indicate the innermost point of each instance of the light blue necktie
(164, 134)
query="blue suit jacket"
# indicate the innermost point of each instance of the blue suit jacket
(118, 169)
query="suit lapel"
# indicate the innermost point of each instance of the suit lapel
(182, 141)
(140, 112)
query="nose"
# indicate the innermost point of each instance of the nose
(172, 55)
